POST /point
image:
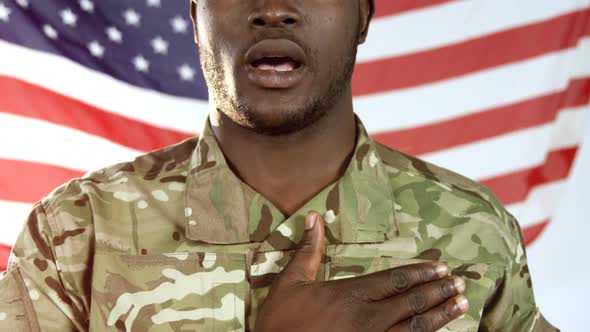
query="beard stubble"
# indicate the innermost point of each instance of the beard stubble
(312, 110)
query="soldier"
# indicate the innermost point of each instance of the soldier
(282, 215)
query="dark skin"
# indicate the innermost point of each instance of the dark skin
(279, 76)
(285, 129)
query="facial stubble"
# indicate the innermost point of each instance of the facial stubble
(302, 116)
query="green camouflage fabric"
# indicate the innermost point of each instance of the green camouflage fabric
(174, 241)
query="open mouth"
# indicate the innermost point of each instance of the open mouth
(279, 64)
(276, 64)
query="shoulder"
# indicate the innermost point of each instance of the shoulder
(445, 179)
(104, 196)
(455, 212)
(151, 166)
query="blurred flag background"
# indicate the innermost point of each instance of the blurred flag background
(496, 90)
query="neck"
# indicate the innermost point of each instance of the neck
(289, 170)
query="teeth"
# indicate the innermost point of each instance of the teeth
(282, 67)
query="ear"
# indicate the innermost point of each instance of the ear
(194, 18)
(364, 20)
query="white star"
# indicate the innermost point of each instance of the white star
(23, 3)
(141, 63)
(114, 34)
(96, 49)
(153, 3)
(50, 32)
(87, 5)
(159, 45)
(4, 12)
(186, 72)
(132, 17)
(68, 17)
(179, 24)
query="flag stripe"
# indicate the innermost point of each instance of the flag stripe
(58, 145)
(477, 126)
(33, 101)
(471, 56)
(514, 151)
(388, 7)
(35, 180)
(540, 204)
(488, 89)
(514, 187)
(531, 233)
(4, 254)
(455, 22)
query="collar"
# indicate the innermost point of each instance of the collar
(221, 209)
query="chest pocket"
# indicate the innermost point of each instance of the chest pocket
(480, 281)
(169, 292)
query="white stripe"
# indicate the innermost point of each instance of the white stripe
(455, 22)
(76, 81)
(540, 205)
(475, 92)
(514, 151)
(40, 141)
(13, 217)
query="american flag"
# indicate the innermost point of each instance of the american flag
(495, 90)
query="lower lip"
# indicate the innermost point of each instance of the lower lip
(272, 79)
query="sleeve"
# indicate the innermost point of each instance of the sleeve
(35, 293)
(513, 306)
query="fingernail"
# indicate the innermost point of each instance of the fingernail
(442, 270)
(310, 221)
(461, 303)
(459, 284)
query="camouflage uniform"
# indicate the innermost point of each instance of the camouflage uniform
(174, 241)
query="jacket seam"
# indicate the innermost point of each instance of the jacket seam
(30, 314)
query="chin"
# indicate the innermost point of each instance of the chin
(275, 122)
(279, 121)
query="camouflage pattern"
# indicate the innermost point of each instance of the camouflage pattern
(174, 241)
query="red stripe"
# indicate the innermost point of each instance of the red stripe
(531, 233)
(514, 187)
(4, 254)
(392, 7)
(478, 126)
(34, 182)
(25, 99)
(474, 55)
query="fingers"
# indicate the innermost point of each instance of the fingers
(305, 263)
(387, 283)
(435, 318)
(420, 299)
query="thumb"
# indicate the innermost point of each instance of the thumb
(305, 263)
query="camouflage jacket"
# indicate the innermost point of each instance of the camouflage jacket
(174, 241)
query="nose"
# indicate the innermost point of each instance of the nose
(274, 14)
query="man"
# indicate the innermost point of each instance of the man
(282, 215)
